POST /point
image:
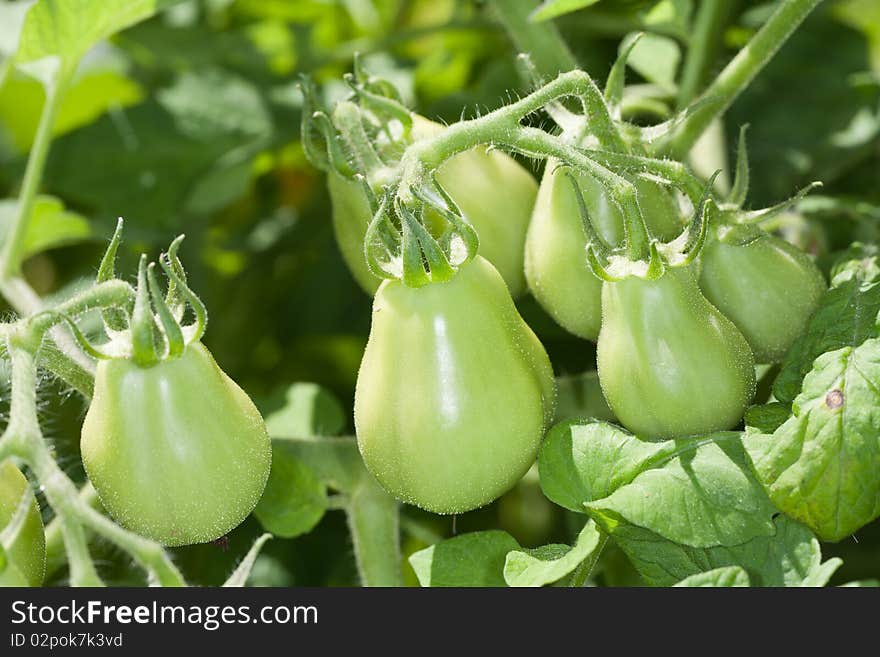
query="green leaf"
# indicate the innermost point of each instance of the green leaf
(859, 261)
(188, 151)
(214, 104)
(555, 8)
(656, 58)
(767, 418)
(336, 461)
(49, 226)
(822, 466)
(91, 94)
(791, 557)
(475, 559)
(60, 32)
(846, 317)
(703, 497)
(550, 563)
(580, 396)
(307, 410)
(837, 116)
(295, 499)
(584, 460)
(12, 16)
(726, 576)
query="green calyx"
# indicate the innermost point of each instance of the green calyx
(423, 242)
(364, 134)
(152, 330)
(615, 264)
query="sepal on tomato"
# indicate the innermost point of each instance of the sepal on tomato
(740, 189)
(152, 329)
(114, 319)
(614, 85)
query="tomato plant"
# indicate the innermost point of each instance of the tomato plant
(656, 366)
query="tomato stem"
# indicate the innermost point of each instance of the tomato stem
(374, 522)
(496, 126)
(623, 193)
(738, 74)
(702, 48)
(542, 41)
(12, 252)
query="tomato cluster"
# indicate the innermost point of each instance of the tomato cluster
(455, 392)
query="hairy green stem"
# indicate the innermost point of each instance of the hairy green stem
(535, 141)
(502, 128)
(672, 170)
(542, 41)
(702, 48)
(55, 554)
(23, 435)
(71, 365)
(66, 369)
(499, 126)
(738, 74)
(11, 253)
(61, 355)
(374, 523)
(112, 293)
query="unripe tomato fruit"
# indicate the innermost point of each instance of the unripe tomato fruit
(764, 285)
(26, 556)
(555, 253)
(493, 190)
(177, 451)
(670, 364)
(453, 393)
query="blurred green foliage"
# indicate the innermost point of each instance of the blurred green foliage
(189, 123)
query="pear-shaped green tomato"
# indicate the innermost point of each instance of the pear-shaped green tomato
(494, 192)
(670, 364)
(454, 391)
(766, 286)
(555, 258)
(24, 548)
(177, 452)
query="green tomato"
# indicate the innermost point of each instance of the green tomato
(766, 286)
(454, 391)
(670, 364)
(25, 552)
(494, 192)
(555, 258)
(177, 452)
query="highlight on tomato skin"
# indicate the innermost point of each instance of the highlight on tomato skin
(454, 391)
(670, 364)
(177, 452)
(25, 554)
